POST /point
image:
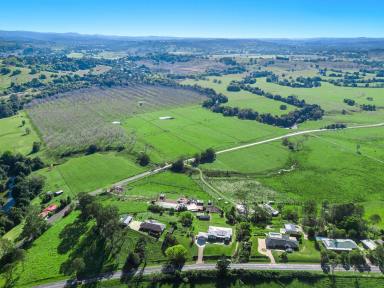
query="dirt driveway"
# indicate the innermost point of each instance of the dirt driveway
(262, 249)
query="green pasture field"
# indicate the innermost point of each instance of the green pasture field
(13, 137)
(328, 96)
(241, 99)
(257, 159)
(375, 207)
(331, 166)
(351, 119)
(327, 166)
(192, 130)
(88, 173)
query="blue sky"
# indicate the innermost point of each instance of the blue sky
(198, 18)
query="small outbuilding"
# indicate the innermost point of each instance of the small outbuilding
(369, 244)
(57, 193)
(203, 217)
(126, 219)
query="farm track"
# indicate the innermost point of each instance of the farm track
(244, 146)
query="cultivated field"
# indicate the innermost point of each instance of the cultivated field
(72, 121)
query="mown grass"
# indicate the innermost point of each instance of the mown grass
(308, 253)
(13, 135)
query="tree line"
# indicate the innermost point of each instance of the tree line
(15, 170)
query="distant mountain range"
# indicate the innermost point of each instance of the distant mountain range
(208, 44)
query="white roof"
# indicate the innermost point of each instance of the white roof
(339, 244)
(291, 228)
(167, 205)
(370, 244)
(220, 232)
(126, 219)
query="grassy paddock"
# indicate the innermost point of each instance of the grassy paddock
(88, 173)
(13, 135)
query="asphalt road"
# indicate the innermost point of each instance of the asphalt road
(246, 266)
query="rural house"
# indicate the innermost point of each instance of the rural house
(291, 229)
(152, 227)
(279, 241)
(338, 244)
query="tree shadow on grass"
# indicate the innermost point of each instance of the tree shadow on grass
(70, 235)
(97, 254)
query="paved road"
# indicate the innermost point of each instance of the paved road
(246, 266)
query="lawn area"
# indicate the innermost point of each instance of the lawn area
(215, 250)
(192, 130)
(307, 253)
(13, 136)
(88, 173)
(241, 99)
